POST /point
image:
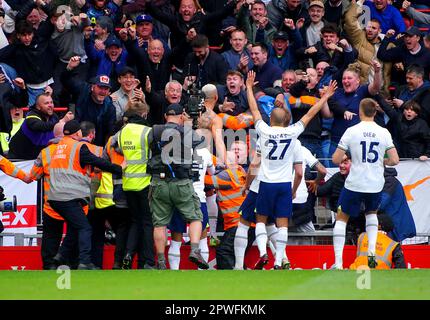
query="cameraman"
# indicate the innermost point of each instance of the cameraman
(172, 184)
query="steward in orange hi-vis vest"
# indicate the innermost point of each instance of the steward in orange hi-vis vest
(96, 174)
(69, 189)
(388, 252)
(228, 184)
(41, 169)
(53, 223)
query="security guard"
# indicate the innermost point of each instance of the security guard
(69, 189)
(53, 223)
(133, 141)
(389, 253)
(171, 185)
(229, 184)
(112, 202)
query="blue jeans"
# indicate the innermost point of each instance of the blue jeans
(32, 95)
(325, 153)
(332, 149)
(78, 229)
(314, 146)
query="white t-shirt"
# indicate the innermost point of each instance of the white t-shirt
(367, 142)
(277, 149)
(255, 184)
(199, 186)
(308, 160)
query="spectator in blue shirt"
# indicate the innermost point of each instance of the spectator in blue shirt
(282, 51)
(109, 61)
(345, 102)
(387, 15)
(238, 57)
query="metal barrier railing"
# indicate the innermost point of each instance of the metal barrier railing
(19, 238)
(313, 238)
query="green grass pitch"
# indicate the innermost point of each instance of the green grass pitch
(189, 285)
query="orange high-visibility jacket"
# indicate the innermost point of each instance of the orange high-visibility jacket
(229, 185)
(41, 169)
(10, 169)
(301, 102)
(384, 251)
(244, 120)
(68, 180)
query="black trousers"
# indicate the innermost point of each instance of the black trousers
(141, 235)
(51, 239)
(78, 229)
(119, 219)
(225, 259)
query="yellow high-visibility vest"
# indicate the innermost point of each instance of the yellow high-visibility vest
(133, 141)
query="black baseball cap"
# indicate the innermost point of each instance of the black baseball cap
(71, 127)
(413, 31)
(174, 109)
(126, 70)
(280, 35)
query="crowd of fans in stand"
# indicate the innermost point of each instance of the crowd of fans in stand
(95, 57)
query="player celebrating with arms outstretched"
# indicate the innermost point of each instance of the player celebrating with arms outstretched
(368, 143)
(277, 143)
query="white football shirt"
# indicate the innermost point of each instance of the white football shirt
(207, 164)
(255, 184)
(308, 160)
(277, 149)
(367, 142)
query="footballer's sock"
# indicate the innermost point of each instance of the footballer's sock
(281, 243)
(212, 214)
(372, 232)
(204, 249)
(339, 232)
(240, 243)
(272, 233)
(174, 254)
(261, 238)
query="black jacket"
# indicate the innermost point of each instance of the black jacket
(179, 27)
(314, 128)
(338, 59)
(412, 138)
(88, 158)
(102, 115)
(402, 54)
(423, 99)
(34, 63)
(331, 189)
(214, 69)
(159, 73)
